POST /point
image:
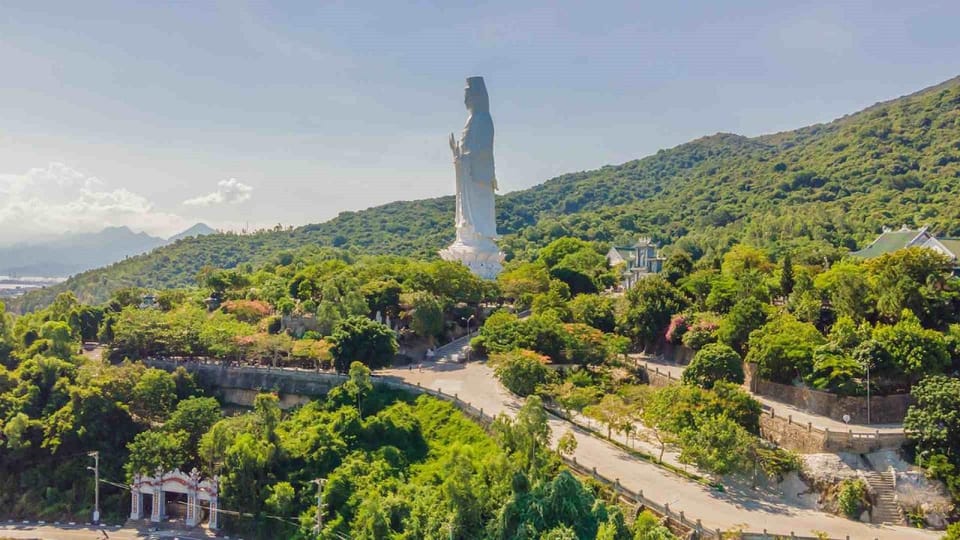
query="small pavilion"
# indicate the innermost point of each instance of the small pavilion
(174, 481)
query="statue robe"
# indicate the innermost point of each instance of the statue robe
(476, 180)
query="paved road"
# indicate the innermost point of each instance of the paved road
(749, 509)
(781, 409)
(51, 532)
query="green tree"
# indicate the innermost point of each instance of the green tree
(60, 339)
(501, 332)
(783, 348)
(360, 339)
(524, 280)
(677, 266)
(526, 435)
(426, 315)
(358, 384)
(717, 445)
(6, 336)
(612, 412)
(281, 498)
(586, 345)
(154, 448)
(835, 371)
(715, 362)
(648, 527)
(663, 419)
(746, 316)
(314, 351)
(594, 310)
(567, 444)
(194, 416)
(556, 251)
(912, 349)
(851, 497)
(571, 397)
(786, 275)
(730, 399)
(545, 334)
(933, 421)
(247, 463)
(650, 305)
(155, 394)
(554, 300)
(521, 371)
(915, 279)
(848, 290)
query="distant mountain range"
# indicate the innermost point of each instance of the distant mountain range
(74, 253)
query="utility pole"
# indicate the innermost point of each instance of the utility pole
(320, 482)
(868, 391)
(96, 487)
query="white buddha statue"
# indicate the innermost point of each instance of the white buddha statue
(476, 182)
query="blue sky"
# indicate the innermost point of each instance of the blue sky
(160, 114)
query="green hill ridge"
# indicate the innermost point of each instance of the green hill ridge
(819, 190)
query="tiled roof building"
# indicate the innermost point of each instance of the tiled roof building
(891, 240)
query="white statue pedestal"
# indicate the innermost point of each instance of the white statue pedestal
(483, 258)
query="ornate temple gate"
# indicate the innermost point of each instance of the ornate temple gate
(175, 482)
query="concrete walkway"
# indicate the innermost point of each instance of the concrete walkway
(800, 416)
(737, 508)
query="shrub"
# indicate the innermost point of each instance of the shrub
(521, 371)
(678, 327)
(701, 333)
(715, 362)
(851, 497)
(249, 311)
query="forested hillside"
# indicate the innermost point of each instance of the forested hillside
(818, 191)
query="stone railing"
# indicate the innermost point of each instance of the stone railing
(656, 378)
(809, 439)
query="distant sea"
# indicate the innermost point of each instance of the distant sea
(12, 286)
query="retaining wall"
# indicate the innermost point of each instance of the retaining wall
(803, 438)
(240, 385)
(883, 409)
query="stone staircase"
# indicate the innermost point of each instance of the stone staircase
(886, 509)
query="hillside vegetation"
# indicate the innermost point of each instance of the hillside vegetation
(817, 191)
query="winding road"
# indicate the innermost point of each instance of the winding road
(737, 508)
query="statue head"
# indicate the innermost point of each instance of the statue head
(475, 95)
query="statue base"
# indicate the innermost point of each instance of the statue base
(483, 259)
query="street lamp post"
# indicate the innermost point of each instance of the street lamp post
(469, 335)
(320, 482)
(868, 392)
(96, 487)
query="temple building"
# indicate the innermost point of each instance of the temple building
(892, 240)
(639, 260)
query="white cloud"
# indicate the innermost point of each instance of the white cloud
(229, 191)
(57, 199)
